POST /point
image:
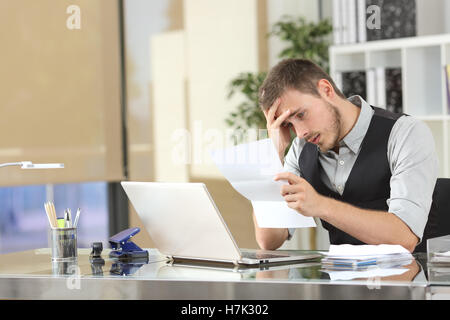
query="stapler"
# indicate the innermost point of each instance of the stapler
(126, 250)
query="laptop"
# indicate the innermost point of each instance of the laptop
(185, 224)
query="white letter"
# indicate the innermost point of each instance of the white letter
(73, 282)
(73, 21)
(374, 21)
(181, 154)
(197, 146)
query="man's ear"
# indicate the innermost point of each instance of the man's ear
(326, 90)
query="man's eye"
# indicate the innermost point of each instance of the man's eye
(300, 115)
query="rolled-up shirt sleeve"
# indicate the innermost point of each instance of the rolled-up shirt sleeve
(414, 167)
(291, 159)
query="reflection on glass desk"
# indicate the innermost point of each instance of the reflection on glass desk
(31, 274)
(38, 263)
(439, 275)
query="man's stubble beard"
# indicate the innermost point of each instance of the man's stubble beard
(336, 128)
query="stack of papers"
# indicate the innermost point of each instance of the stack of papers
(250, 168)
(363, 257)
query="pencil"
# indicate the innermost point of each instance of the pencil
(48, 215)
(55, 218)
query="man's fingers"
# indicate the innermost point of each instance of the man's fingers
(273, 108)
(290, 198)
(277, 123)
(290, 189)
(289, 176)
(293, 205)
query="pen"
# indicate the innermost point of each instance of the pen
(66, 219)
(70, 217)
(77, 216)
(61, 223)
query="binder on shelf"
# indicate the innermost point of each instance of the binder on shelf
(354, 83)
(384, 88)
(380, 87)
(362, 20)
(394, 89)
(337, 22)
(397, 18)
(371, 87)
(447, 81)
(338, 81)
(352, 17)
(344, 17)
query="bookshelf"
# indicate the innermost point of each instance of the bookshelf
(424, 92)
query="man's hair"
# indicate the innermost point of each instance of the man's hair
(300, 74)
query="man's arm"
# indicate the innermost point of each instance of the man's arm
(269, 238)
(273, 238)
(369, 226)
(414, 166)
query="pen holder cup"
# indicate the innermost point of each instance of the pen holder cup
(64, 268)
(63, 242)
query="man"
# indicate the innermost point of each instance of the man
(367, 173)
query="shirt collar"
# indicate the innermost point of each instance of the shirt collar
(355, 137)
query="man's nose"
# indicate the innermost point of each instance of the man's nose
(300, 130)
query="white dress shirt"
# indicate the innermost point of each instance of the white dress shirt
(412, 160)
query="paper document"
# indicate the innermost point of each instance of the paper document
(347, 256)
(250, 169)
(349, 250)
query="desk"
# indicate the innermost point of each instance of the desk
(30, 275)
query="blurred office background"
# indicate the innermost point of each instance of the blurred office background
(137, 91)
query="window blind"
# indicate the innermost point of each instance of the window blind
(60, 90)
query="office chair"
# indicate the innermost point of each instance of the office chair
(439, 217)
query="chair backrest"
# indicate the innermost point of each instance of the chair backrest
(439, 217)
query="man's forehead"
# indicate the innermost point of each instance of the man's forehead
(282, 108)
(293, 100)
(285, 106)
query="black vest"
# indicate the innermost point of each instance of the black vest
(368, 185)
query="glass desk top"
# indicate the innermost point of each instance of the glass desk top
(37, 263)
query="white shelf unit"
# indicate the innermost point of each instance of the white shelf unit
(424, 90)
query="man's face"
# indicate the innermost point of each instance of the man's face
(312, 118)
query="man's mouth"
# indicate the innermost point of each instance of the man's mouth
(315, 139)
